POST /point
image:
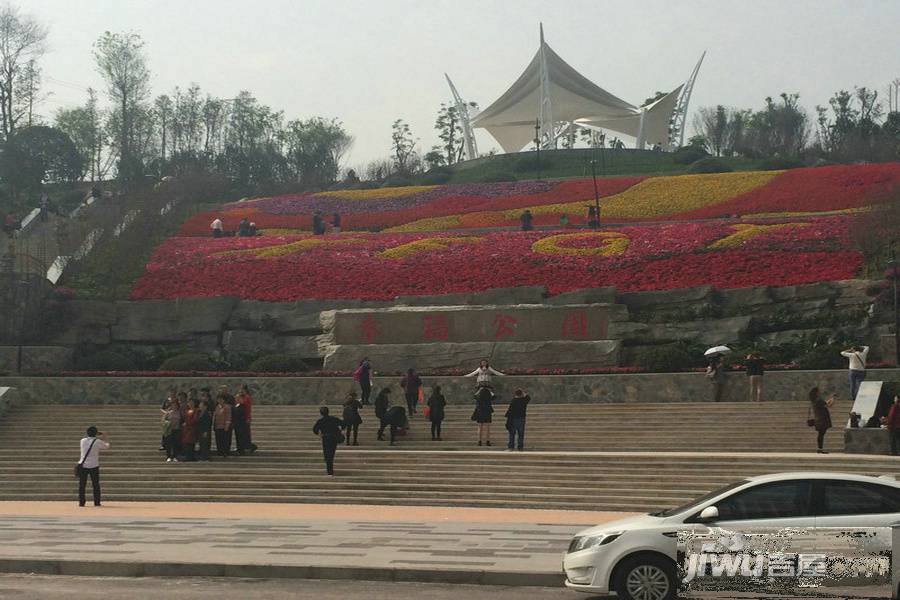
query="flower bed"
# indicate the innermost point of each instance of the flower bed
(382, 266)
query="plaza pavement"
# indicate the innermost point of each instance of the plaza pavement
(304, 541)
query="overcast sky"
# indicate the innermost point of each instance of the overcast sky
(368, 62)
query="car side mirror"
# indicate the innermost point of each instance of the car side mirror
(710, 513)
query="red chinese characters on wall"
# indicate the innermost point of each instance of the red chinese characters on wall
(578, 325)
(504, 326)
(369, 329)
(435, 328)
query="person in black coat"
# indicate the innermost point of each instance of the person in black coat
(352, 419)
(382, 402)
(329, 429)
(515, 419)
(821, 416)
(483, 414)
(436, 404)
(396, 417)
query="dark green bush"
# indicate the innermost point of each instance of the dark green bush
(823, 356)
(497, 177)
(105, 360)
(688, 154)
(190, 361)
(778, 163)
(278, 363)
(669, 357)
(710, 165)
(531, 163)
(436, 177)
(397, 181)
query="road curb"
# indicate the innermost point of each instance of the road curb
(93, 568)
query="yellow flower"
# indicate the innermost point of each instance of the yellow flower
(389, 192)
(425, 244)
(746, 231)
(430, 224)
(612, 243)
(277, 231)
(289, 247)
(843, 211)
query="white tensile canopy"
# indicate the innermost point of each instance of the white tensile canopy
(551, 92)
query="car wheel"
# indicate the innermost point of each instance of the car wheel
(646, 578)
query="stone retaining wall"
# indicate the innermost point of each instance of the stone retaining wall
(633, 388)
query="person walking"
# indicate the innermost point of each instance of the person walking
(170, 398)
(222, 426)
(483, 373)
(857, 358)
(89, 462)
(336, 222)
(217, 228)
(351, 418)
(526, 219)
(411, 384)
(204, 427)
(755, 373)
(329, 429)
(363, 374)
(436, 405)
(189, 431)
(819, 416)
(239, 424)
(245, 399)
(382, 402)
(893, 426)
(483, 413)
(515, 419)
(715, 372)
(172, 430)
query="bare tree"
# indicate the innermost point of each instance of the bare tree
(23, 42)
(120, 60)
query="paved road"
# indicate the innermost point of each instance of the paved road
(37, 587)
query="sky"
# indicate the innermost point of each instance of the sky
(369, 62)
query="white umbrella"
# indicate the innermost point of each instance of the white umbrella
(717, 350)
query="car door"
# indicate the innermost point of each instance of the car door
(767, 505)
(861, 509)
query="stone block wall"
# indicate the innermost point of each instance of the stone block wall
(635, 320)
(632, 388)
(35, 359)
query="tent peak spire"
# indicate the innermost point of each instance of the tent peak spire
(541, 25)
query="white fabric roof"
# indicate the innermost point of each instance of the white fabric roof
(511, 118)
(656, 121)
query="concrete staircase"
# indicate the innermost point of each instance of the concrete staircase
(591, 457)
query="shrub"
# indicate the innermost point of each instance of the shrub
(190, 361)
(688, 154)
(669, 357)
(497, 177)
(436, 177)
(710, 165)
(778, 163)
(278, 363)
(397, 181)
(531, 163)
(105, 360)
(823, 356)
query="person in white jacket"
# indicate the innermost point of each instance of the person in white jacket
(483, 373)
(857, 357)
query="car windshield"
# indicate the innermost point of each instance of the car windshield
(695, 503)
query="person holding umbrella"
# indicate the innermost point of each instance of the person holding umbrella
(715, 370)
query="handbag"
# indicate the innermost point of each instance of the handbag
(340, 437)
(79, 468)
(810, 422)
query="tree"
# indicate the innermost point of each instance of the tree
(435, 157)
(780, 129)
(163, 106)
(851, 131)
(38, 154)
(22, 44)
(712, 123)
(450, 133)
(403, 146)
(314, 149)
(121, 61)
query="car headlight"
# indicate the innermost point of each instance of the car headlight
(591, 541)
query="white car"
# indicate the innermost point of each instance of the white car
(636, 557)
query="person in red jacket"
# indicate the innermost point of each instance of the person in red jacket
(893, 425)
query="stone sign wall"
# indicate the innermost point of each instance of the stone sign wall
(461, 324)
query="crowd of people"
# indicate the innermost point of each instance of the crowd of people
(247, 228)
(192, 420)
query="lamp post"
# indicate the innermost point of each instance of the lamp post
(537, 144)
(596, 222)
(894, 274)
